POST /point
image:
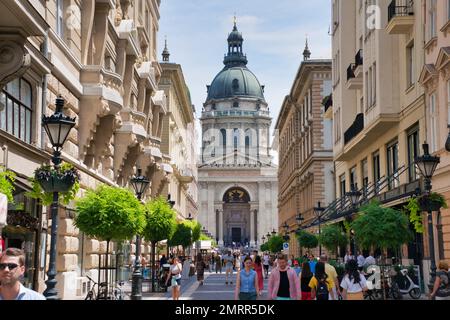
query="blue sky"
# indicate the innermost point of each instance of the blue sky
(274, 38)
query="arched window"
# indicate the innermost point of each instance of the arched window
(235, 84)
(16, 107)
(223, 132)
(236, 138)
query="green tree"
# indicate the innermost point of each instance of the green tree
(182, 236)
(265, 247)
(275, 243)
(110, 213)
(332, 237)
(7, 183)
(379, 227)
(307, 240)
(161, 224)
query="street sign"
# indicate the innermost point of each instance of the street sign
(286, 246)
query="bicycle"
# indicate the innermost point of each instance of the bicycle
(117, 292)
(100, 294)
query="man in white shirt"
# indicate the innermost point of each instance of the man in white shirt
(12, 268)
(361, 261)
(370, 260)
(349, 256)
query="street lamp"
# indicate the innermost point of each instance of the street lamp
(190, 217)
(354, 196)
(427, 164)
(318, 212)
(274, 232)
(268, 236)
(263, 239)
(57, 126)
(139, 183)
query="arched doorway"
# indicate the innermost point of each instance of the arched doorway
(236, 217)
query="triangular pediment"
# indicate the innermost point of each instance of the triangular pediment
(443, 58)
(428, 72)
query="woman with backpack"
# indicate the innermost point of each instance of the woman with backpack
(321, 285)
(305, 278)
(441, 289)
(354, 283)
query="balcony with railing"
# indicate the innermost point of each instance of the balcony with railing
(400, 17)
(327, 103)
(394, 189)
(355, 72)
(356, 127)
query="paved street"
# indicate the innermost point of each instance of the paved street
(213, 288)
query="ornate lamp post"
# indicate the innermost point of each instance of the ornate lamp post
(139, 183)
(318, 212)
(354, 196)
(57, 126)
(427, 164)
(274, 232)
(268, 235)
(263, 239)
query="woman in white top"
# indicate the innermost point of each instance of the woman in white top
(175, 272)
(354, 284)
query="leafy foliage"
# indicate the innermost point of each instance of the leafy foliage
(265, 247)
(383, 228)
(307, 240)
(414, 208)
(275, 243)
(66, 169)
(7, 178)
(110, 213)
(332, 237)
(161, 220)
(196, 228)
(182, 236)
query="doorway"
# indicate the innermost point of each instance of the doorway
(236, 235)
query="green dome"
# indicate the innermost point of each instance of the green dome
(235, 82)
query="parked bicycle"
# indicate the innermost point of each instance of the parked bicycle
(100, 294)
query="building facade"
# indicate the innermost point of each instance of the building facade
(179, 140)
(238, 182)
(435, 79)
(379, 109)
(100, 56)
(305, 148)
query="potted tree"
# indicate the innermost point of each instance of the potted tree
(332, 237)
(307, 240)
(275, 244)
(109, 213)
(161, 224)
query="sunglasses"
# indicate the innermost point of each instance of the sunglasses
(11, 266)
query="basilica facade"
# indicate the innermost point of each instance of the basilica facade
(237, 179)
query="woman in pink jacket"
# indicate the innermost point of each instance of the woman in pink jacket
(283, 282)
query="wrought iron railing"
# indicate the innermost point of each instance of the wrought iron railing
(356, 127)
(359, 59)
(380, 189)
(351, 71)
(400, 8)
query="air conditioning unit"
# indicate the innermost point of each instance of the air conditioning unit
(82, 286)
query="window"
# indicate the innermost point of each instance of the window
(413, 152)
(342, 185)
(432, 30)
(448, 101)
(235, 138)
(433, 124)
(235, 104)
(15, 118)
(365, 174)
(60, 17)
(353, 178)
(376, 170)
(224, 141)
(392, 165)
(374, 84)
(410, 72)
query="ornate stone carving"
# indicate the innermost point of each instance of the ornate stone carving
(14, 58)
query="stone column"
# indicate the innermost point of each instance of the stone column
(252, 228)
(221, 228)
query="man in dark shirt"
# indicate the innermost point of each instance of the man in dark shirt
(283, 282)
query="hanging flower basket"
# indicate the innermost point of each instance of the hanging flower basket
(432, 202)
(48, 180)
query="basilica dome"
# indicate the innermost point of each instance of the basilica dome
(235, 79)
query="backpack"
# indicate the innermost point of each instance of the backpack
(322, 290)
(444, 288)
